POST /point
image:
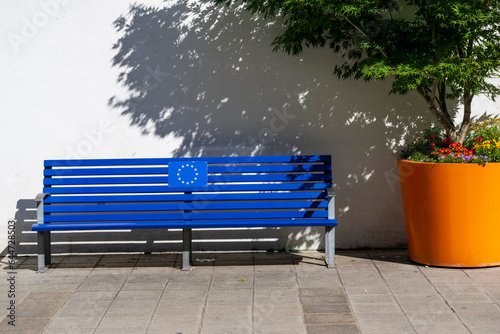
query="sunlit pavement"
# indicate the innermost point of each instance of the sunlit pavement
(261, 292)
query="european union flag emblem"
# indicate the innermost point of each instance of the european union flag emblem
(188, 174)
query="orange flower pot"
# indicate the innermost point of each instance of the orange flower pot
(452, 213)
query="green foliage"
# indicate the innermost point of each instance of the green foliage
(443, 49)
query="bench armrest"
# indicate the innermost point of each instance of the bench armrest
(40, 198)
(331, 203)
(39, 206)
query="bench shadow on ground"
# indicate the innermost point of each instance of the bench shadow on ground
(170, 260)
(397, 256)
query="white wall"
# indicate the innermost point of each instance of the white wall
(210, 85)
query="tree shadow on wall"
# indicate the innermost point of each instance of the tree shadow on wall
(203, 77)
(191, 73)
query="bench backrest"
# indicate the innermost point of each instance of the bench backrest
(217, 189)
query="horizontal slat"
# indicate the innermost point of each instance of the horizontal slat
(164, 170)
(166, 189)
(186, 224)
(105, 171)
(164, 179)
(105, 180)
(298, 195)
(186, 206)
(166, 161)
(191, 216)
(271, 169)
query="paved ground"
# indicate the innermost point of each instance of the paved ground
(367, 292)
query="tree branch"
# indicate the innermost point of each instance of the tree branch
(358, 28)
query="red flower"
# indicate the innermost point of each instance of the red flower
(431, 137)
(478, 139)
(446, 141)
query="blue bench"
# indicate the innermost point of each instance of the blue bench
(186, 193)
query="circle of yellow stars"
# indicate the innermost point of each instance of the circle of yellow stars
(192, 167)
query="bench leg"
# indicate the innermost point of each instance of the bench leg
(330, 246)
(187, 248)
(44, 252)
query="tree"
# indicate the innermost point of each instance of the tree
(443, 49)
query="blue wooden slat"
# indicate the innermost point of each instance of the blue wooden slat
(165, 161)
(164, 189)
(186, 206)
(273, 168)
(105, 180)
(164, 179)
(185, 224)
(187, 197)
(164, 170)
(105, 171)
(270, 178)
(176, 216)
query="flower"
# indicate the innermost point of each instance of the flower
(482, 145)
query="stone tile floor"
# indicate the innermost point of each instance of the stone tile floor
(367, 292)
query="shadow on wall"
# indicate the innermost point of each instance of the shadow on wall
(205, 79)
(137, 241)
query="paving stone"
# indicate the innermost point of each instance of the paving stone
(146, 304)
(240, 329)
(466, 306)
(139, 294)
(325, 299)
(227, 314)
(277, 310)
(87, 303)
(327, 308)
(181, 328)
(450, 291)
(82, 312)
(242, 297)
(24, 325)
(389, 322)
(332, 329)
(235, 284)
(129, 330)
(411, 286)
(55, 287)
(200, 299)
(126, 321)
(280, 329)
(175, 320)
(481, 322)
(116, 311)
(372, 303)
(72, 331)
(426, 303)
(329, 318)
(431, 323)
(296, 319)
(378, 288)
(143, 287)
(179, 310)
(321, 292)
(71, 323)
